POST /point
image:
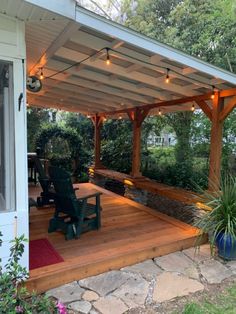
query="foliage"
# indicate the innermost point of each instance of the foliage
(222, 216)
(82, 125)
(117, 145)
(62, 146)
(14, 297)
(203, 28)
(35, 119)
(181, 123)
(223, 303)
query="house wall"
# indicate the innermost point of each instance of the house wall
(14, 221)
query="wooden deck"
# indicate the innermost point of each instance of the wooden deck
(130, 233)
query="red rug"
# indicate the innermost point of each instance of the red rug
(42, 253)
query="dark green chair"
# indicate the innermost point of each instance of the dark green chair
(72, 215)
(48, 194)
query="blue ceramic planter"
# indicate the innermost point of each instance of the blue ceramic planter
(226, 246)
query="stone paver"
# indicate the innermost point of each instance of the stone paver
(214, 272)
(90, 296)
(199, 254)
(80, 306)
(110, 305)
(148, 269)
(105, 283)
(67, 293)
(177, 262)
(167, 277)
(133, 292)
(232, 266)
(171, 285)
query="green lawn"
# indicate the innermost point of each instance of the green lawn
(224, 303)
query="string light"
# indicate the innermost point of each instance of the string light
(193, 107)
(213, 92)
(41, 74)
(108, 62)
(167, 80)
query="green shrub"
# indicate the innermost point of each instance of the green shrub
(14, 297)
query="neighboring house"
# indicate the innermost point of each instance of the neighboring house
(164, 139)
(46, 29)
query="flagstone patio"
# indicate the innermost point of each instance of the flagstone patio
(148, 283)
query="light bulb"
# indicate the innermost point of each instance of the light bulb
(167, 80)
(41, 74)
(108, 62)
(193, 108)
(213, 92)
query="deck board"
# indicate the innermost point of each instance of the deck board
(130, 233)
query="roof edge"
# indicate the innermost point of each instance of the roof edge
(114, 29)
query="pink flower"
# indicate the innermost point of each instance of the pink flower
(61, 308)
(19, 309)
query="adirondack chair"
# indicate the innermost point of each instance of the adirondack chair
(72, 215)
(47, 196)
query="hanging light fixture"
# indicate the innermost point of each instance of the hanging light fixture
(167, 80)
(159, 112)
(193, 108)
(213, 92)
(88, 116)
(108, 62)
(120, 117)
(41, 74)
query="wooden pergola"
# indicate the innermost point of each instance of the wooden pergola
(217, 112)
(72, 51)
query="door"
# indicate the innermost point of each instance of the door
(13, 171)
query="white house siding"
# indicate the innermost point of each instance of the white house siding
(14, 222)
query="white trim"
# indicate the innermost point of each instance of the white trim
(17, 220)
(63, 7)
(127, 35)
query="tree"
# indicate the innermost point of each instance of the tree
(36, 117)
(117, 145)
(205, 29)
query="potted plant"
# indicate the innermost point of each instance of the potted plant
(220, 221)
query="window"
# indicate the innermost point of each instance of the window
(7, 159)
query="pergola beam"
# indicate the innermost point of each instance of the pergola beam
(165, 103)
(61, 39)
(205, 108)
(228, 92)
(228, 108)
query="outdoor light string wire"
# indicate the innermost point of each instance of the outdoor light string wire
(107, 50)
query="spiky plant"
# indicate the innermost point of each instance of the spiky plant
(221, 218)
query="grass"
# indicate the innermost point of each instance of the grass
(224, 303)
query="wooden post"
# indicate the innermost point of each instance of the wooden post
(216, 143)
(137, 117)
(136, 155)
(97, 121)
